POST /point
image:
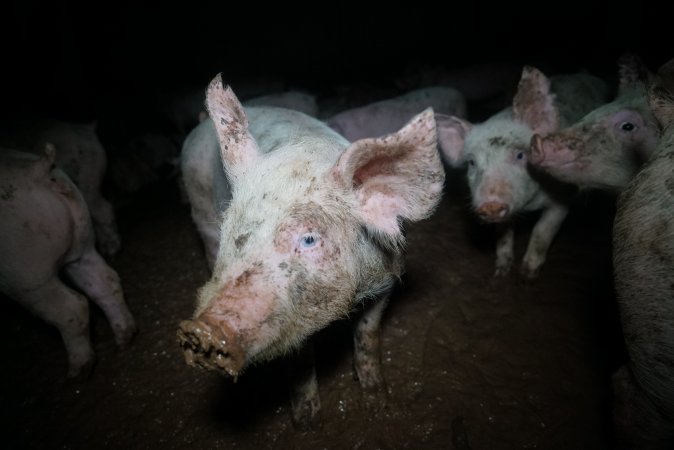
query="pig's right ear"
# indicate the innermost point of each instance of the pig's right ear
(238, 149)
(452, 132)
(661, 94)
(632, 72)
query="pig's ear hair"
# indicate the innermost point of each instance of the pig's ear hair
(238, 149)
(631, 72)
(398, 176)
(661, 94)
(534, 104)
(452, 132)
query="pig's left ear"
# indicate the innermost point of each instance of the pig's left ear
(396, 176)
(534, 104)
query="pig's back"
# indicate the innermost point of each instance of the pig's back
(577, 94)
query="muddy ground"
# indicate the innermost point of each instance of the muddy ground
(471, 362)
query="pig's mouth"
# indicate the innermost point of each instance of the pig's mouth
(208, 347)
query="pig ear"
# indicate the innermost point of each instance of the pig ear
(452, 132)
(632, 71)
(661, 94)
(534, 104)
(396, 176)
(238, 149)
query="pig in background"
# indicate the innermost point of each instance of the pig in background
(81, 155)
(46, 237)
(301, 229)
(643, 259)
(495, 152)
(386, 116)
(606, 148)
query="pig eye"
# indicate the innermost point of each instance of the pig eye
(308, 241)
(520, 156)
(471, 162)
(627, 126)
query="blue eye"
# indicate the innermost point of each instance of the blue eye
(308, 241)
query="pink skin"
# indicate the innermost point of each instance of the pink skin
(46, 232)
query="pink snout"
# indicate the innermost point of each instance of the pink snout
(211, 346)
(493, 211)
(555, 150)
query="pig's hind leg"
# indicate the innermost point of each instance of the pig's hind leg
(68, 311)
(304, 398)
(101, 284)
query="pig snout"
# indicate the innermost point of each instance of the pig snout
(493, 211)
(211, 346)
(537, 154)
(554, 150)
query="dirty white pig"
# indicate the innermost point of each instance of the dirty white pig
(303, 228)
(643, 259)
(46, 234)
(387, 116)
(496, 154)
(81, 155)
(606, 148)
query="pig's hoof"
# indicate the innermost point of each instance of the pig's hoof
(529, 274)
(306, 418)
(501, 272)
(81, 372)
(124, 334)
(110, 246)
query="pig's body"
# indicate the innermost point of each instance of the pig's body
(643, 257)
(81, 155)
(496, 154)
(386, 116)
(295, 100)
(46, 233)
(301, 230)
(606, 148)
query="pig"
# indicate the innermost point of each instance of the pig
(45, 234)
(82, 156)
(643, 260)
(496, 154)
(386, 116)
(302, 229)
(606, 148)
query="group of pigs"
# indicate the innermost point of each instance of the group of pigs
(302, 220)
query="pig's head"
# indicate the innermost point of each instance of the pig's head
(607, 146)
(313, 228)
(496, 151)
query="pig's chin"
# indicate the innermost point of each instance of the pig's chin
(496, 219)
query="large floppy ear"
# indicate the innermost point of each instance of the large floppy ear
(238, 149)
(534, 104)
(452, 132)
(395, 176)
(661, 94)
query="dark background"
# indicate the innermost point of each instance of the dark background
(75, 59)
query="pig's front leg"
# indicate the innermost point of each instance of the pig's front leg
(367, 353)
(101, 284)
(504, 250)
(541, 237)
(304, 399)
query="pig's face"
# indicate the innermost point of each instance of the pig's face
(604, 150)
(496, 159)
(287, 261)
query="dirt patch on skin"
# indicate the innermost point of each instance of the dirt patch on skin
(470, 361)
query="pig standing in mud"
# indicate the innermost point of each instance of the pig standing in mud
(302, 228)
(387, 116)
(46, 233)
(496, 154)
(643, 259)
(81, 155)
(606, 148)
